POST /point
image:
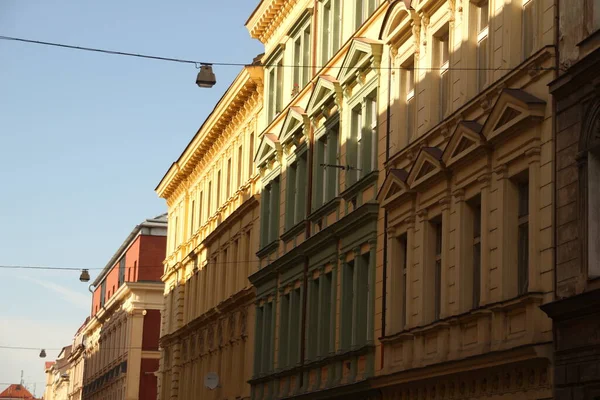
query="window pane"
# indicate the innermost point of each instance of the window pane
(336, 22)
(528, 28)
(306, 56)
(279, 94)
(482, 63)
(327, 32)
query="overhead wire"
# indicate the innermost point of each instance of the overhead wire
(50, 268)
(239, 64)
(59, 349)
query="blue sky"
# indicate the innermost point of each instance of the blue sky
(85, 138)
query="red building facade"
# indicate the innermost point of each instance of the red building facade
(122, 335)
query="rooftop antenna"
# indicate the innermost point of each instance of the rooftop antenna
(34, 389)
(22, 380)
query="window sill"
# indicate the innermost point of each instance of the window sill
(325, 209)
(444, 323)
(293, 231)
(268, 249)
(359, 185)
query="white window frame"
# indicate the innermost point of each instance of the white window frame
(525, 34)
(366, 101)
(442, 52)
(275, 80)
(483, 29)
(301, 61)
(332, 29)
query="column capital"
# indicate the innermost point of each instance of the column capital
(372, 242)
(422, 214)
(533, 155)
(410, 221)
(445, 202)
(356, 251)
(459, 195)
(484, 180)
(501, 172)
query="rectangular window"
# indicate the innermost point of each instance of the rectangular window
(296, 190)
(523, 237)
(356, 142)
(327, 159)
(403, 241)
(122, 270)
(363, 10)
(443, 64)
(436, 225)
(218, 202)
(528, 27)
(268, 337)
(408, 75)
(313, 322)
(228, 183)
(331, 22)
(355, 301)
(347, 300)
(475, 208)
(301, 59)
(325, 314)
(482, 44)
(275, 88)
(209, 200)
(239, 166)
(363, 141)
(224, 274)
(200, 213)
(102, 293)
(295, 317)
(284, 309)
(270, 213)
(251, 156)
(192, 218)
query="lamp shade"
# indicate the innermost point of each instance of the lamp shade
(85, 276)
(206, 77)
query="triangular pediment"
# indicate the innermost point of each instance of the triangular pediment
(394, 187)
(296, 119)
(427, 165)
(466, 138)
(513, 109)
(267, 149)
(326, 88)
(361, 53)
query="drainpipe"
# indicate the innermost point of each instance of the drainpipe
(309, 161)
(385, 213)
(554, 131)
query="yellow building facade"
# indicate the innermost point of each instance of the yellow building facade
(468, 200)
(211, 194)
(406, 171)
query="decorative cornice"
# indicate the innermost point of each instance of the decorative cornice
(241, 98)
